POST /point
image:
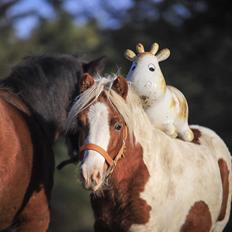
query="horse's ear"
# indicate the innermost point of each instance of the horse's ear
(86, 82)
(120, 86)
(95, 66)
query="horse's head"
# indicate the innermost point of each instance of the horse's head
(104, 129)
(145, 73)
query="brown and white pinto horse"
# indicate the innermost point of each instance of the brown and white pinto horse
(157, 183)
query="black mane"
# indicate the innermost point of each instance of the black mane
(47, 84)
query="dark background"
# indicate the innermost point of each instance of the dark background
(198, 33)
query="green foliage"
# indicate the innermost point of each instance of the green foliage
(70, 202)
(62, 35)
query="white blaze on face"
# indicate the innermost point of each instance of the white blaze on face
(146, 76)
(99, 134)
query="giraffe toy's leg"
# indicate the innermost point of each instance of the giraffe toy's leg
(170, 129)
(186, 134)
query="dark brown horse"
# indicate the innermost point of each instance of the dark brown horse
(34, 100)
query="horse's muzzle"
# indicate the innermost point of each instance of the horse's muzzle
(91, 181)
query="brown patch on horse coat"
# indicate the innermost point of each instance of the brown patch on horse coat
(197, 135)
(119, 208)
(198, 218)
(225, 186)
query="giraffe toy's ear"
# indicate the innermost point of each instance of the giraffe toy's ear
(163, 54)
(130, 55)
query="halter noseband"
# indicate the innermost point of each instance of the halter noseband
(111, 162)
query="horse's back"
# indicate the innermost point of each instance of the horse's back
(194, 180)
(210, 163)
(223, 158)
(206, 181)
(15, 161)
(210, 139)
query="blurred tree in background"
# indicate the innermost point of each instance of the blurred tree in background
(198, 32)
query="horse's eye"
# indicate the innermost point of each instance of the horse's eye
(151, 67)
(117, 126)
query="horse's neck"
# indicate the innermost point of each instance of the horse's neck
(54, 125)
(48, 114)
(127, 182)
(127, 167)
(46, 84)
(51, 111)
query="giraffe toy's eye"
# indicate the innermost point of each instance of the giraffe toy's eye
(151, 67)
(133, 67)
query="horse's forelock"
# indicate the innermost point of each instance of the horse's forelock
(130, 109)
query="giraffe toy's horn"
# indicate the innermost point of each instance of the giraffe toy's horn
(139, 48)
(154, 48)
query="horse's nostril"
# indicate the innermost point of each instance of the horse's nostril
(96, 177)
(90, 180)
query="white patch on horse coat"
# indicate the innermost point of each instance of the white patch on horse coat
(181, 174)
(99, 134)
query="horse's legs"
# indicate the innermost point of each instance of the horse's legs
(35, 217)
(100, 226)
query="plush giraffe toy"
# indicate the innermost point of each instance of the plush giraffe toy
(165, 105)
